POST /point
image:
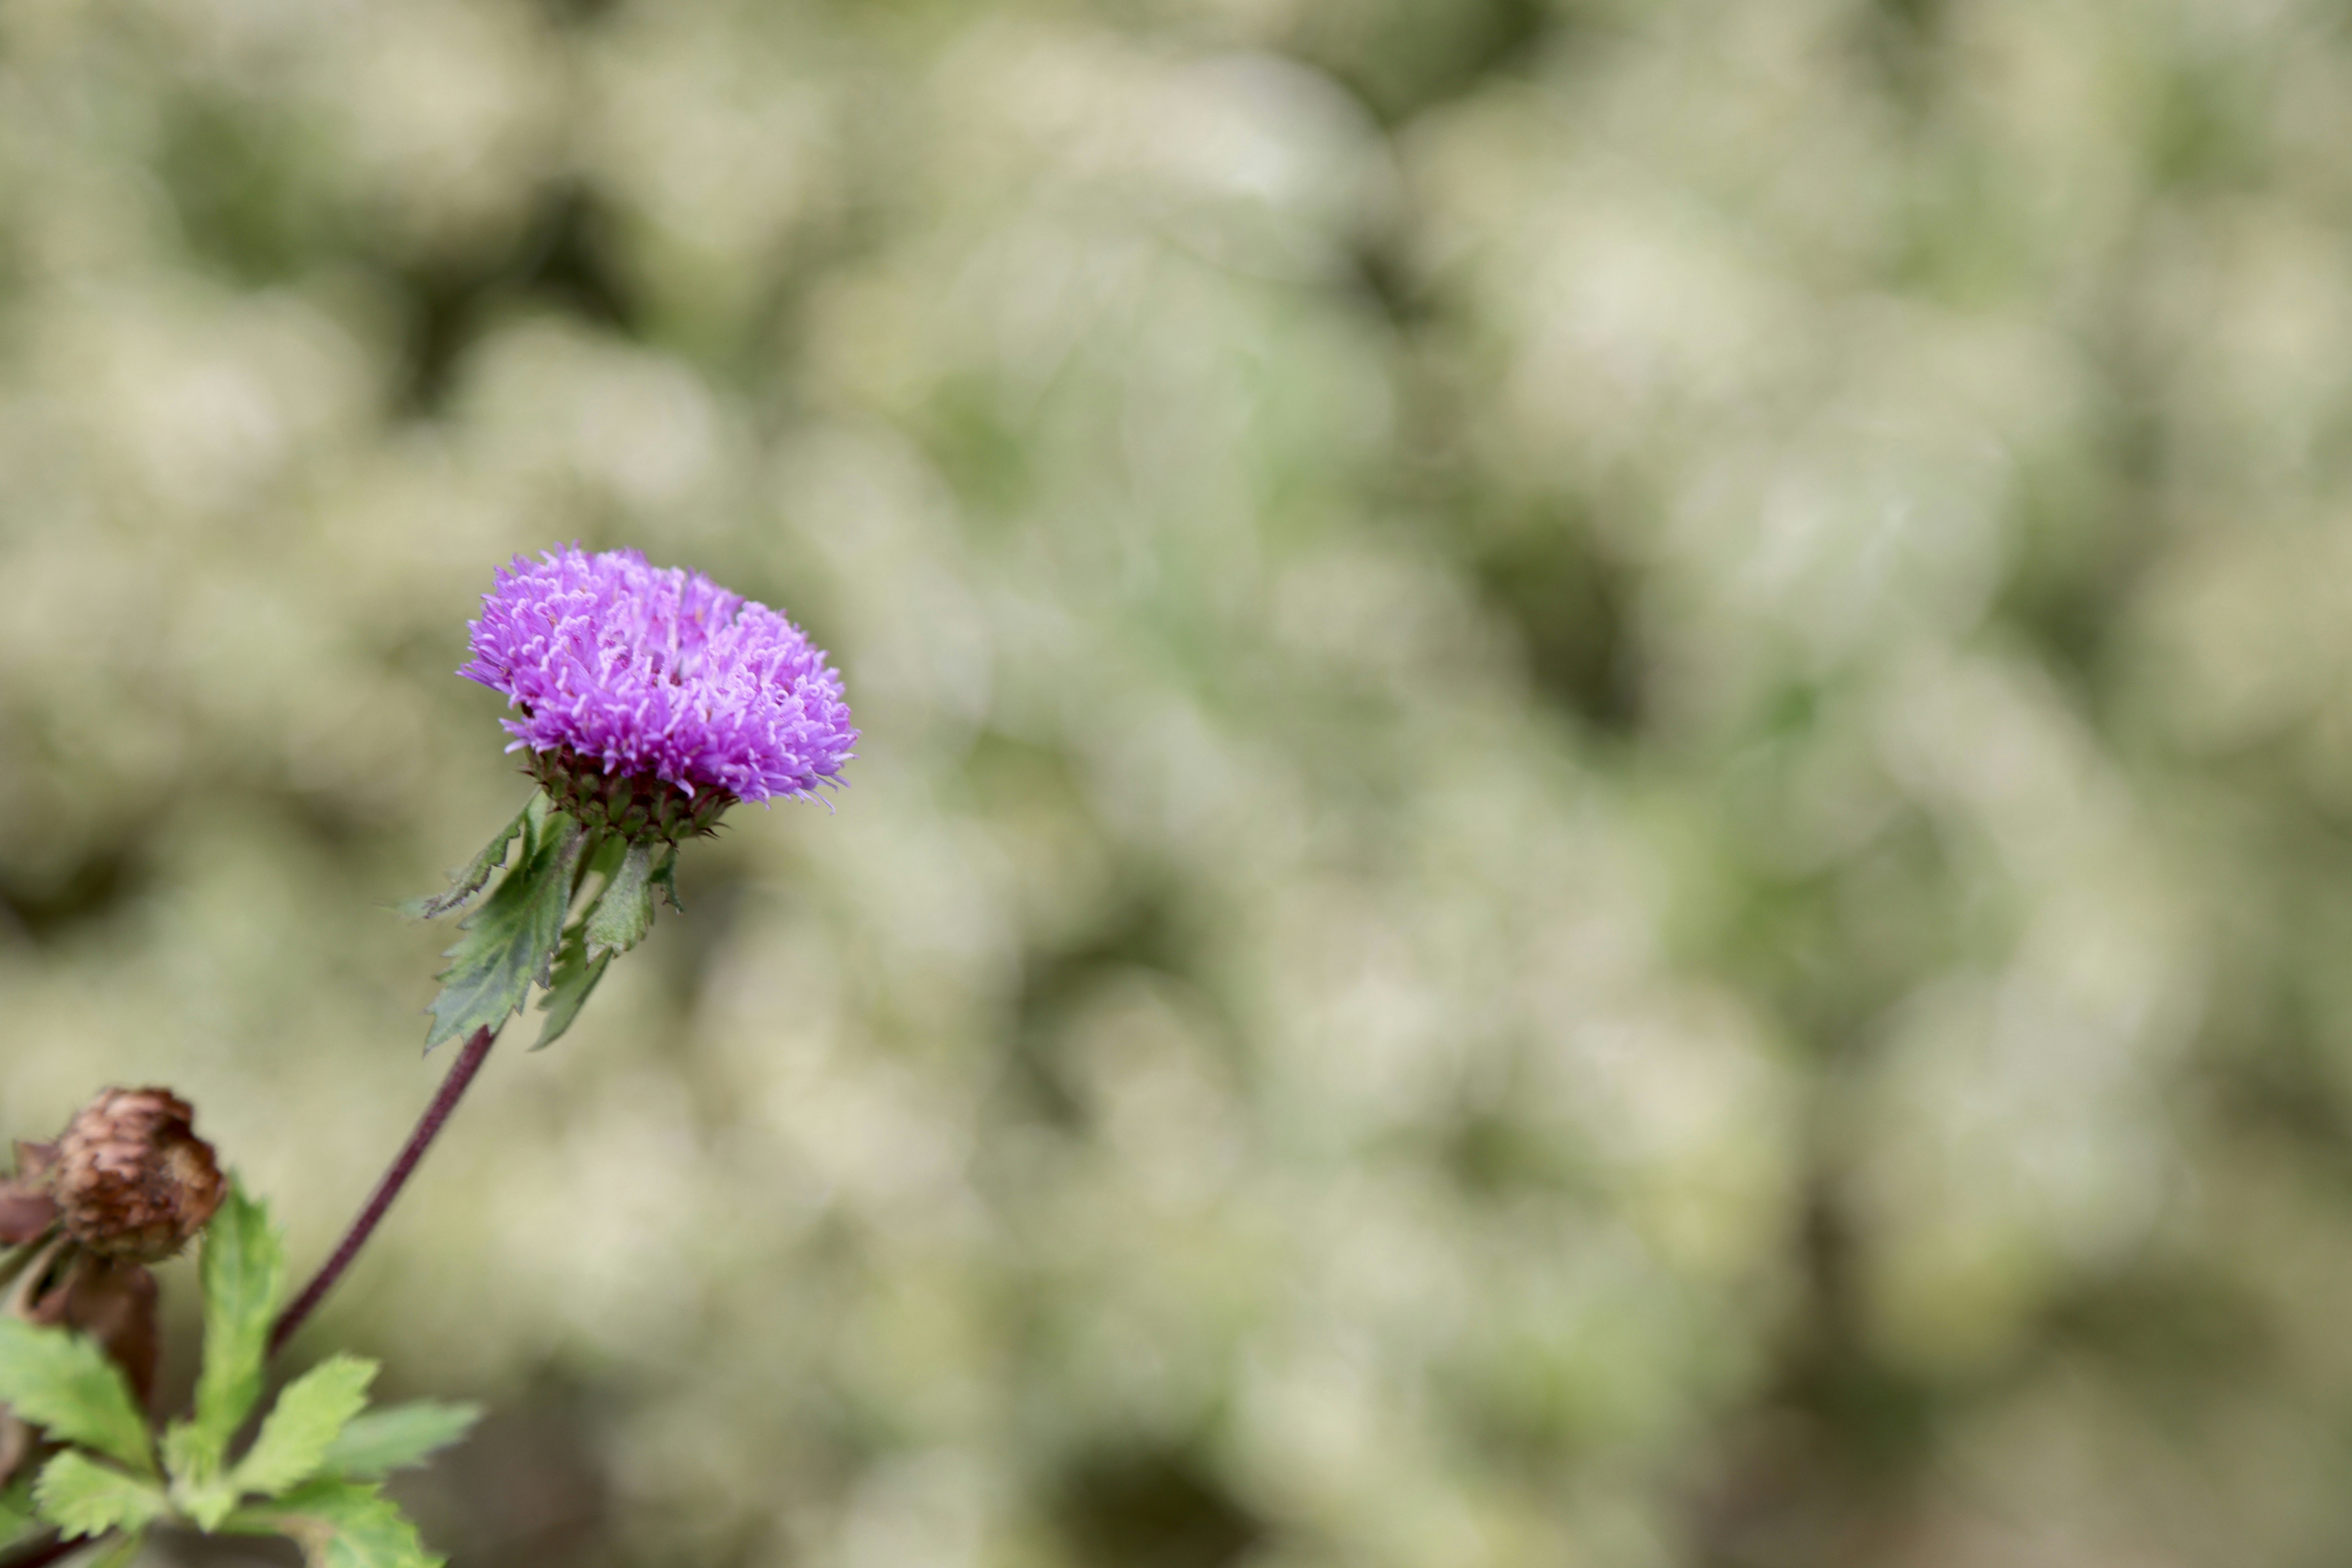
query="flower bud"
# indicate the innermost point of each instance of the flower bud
(131, 1178)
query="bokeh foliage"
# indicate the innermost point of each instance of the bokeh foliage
(1604, 808)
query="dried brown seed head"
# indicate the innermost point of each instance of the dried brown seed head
(131, 1178)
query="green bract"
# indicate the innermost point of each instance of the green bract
(528, 932)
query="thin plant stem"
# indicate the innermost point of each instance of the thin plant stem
(428, 1127)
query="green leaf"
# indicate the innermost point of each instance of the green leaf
(82, 1497)
(306, 1421)
(16, 1513)
(340, 1524)
(665, 878)
(466, 880)
(605, 859)
(511, 939)
(244, 1276)
(396, 1438)
(205, 1503)
(184, 1452)
(567, 991)
(624, 910)
(63, 1382)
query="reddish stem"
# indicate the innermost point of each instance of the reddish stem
(428, 1127)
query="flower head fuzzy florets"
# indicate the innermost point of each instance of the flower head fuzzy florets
(629, 678)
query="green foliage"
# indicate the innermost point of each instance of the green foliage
(618, 918)
(309, 1472)
(308, 1418)
(512, 940)
(470, 878)
(341, 1524)
(520, 937)
(624, 911)
(397, 1437)
(81, 1497)
(17, 1514)
(63, 1383)
(244, 1276)
(568, 990)
(665, 878)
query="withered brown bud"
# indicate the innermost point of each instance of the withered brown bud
(131, 1178)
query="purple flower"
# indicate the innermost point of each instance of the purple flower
(662, 674)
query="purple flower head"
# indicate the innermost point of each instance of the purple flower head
(660, 674)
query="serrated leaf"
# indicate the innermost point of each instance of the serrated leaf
(82, 1497)
(568, 989)
(665, 878)
(340, 1524)
(623, 912)
(396, 1438)
(466, 880)
(304, 1423)
(511, 941)
(244, 1276)
(64, 1382)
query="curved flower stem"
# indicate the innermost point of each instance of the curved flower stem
(404, 1165)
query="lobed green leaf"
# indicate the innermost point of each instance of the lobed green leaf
(665, 878)
(244, 1276)
(466, 880)
(396, 1438)
(623, 912)
(512, 940)
(340, 1524)
(303, 1424)
(605, 859)
(82, 1497)
(64, 1382)
(575, 977)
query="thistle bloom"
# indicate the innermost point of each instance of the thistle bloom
(629, 678)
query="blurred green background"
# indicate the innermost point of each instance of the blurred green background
(1606, 813)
